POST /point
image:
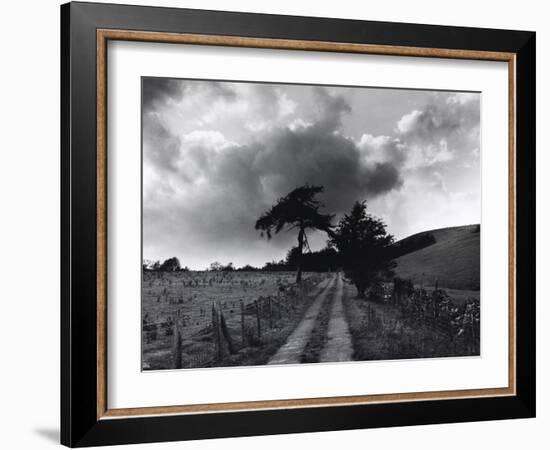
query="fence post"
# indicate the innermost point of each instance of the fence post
(270, 305)
(176, 348)
(258, 319)
(368, 314)
(243, 331)
(226, 334)
(216, 331)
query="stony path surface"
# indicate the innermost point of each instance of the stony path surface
(339, 346)
(291, 351)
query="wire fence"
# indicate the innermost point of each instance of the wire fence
(460, 324)
(187, 331)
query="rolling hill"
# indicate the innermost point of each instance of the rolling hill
(450, 256)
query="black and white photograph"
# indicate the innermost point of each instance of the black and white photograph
(275, 224)
(291, 224)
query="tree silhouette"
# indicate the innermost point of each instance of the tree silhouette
(364, 247)
(215, 266)
(297, 210)
(170, 265)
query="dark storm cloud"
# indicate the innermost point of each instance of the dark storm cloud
(316, 155)
(222, 190)
(217, 155)
(283, 158)
(383, 178)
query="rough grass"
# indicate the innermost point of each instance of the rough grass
(260, 351)
(192, 295)
(453, 261)
(319, 334)
(379, 332)
(458, 296)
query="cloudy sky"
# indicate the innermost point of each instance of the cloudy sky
(218, 154)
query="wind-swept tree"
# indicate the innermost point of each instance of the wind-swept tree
(364, 247)
(297, 210)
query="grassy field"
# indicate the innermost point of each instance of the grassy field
(453, 261)
(381, 331)
(260, 310)
(458, 296)
(189, 296)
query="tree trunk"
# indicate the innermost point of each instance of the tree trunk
(299, 263)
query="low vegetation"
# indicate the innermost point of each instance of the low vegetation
(259, 311)
(415, 298)
(412, 323)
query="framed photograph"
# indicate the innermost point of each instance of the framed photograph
(276, 224)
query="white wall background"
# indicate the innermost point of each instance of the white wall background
(29, 224)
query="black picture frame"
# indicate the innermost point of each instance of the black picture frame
(80, 425)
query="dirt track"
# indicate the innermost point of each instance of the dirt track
(338, 345)
(291, 351)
